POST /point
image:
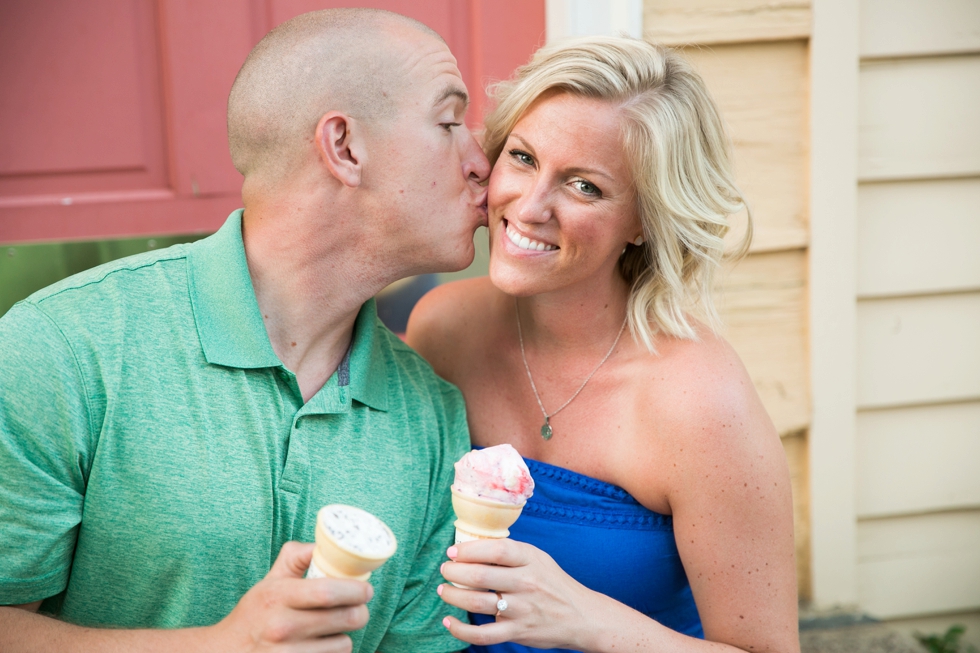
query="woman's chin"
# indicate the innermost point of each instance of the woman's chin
(515, 282)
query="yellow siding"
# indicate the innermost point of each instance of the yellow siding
(761, 90)
(680, 22)
(756, 68)
(762, 302)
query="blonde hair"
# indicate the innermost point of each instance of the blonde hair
(679, 156)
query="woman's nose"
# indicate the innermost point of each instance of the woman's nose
(535, 202)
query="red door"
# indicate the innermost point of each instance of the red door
(112, 112)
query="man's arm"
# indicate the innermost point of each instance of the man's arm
(282, 612)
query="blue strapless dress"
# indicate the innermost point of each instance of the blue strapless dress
(601, 536)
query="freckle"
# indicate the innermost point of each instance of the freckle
(741, 616)
(266, 316)
(433, 184)
(746, 484)
(293, 344)
(402, 192)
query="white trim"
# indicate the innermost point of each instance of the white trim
(834, 66)
(567, 18)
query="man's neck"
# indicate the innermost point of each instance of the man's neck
(311, 277)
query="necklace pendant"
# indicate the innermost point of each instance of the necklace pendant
(546, 431)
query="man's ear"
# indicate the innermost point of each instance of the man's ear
(339, 142)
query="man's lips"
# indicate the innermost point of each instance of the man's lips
(482, 207)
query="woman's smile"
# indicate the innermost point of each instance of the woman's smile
(527, 243)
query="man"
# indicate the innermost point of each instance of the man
(170, 421)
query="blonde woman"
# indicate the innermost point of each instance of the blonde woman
(662, 518)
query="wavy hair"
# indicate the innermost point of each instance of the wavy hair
(679, 156)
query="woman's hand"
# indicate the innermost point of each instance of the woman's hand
(546, 608)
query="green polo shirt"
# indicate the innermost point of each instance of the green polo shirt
(155, 454)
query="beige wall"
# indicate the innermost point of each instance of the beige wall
(918, 307)
(754, 58)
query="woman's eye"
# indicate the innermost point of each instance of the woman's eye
(523, 157)
(587, 188)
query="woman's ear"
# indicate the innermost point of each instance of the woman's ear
(338, 142)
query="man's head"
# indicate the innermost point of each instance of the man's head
(368, 104)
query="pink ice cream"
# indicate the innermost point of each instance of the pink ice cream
(495, 473)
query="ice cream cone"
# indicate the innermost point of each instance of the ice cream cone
(338, 554)
(489, 491)
(482, 519)
(479, 518)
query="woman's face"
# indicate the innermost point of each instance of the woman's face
(561, 205)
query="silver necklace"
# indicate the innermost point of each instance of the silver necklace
(546, 430)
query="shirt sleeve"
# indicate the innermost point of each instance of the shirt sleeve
(44, 444)
(417, 624)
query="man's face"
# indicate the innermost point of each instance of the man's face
(425, 167)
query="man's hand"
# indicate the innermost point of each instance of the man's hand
(283, 612)
(287, 612)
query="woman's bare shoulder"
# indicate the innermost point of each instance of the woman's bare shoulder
(450, 320)
(700, 392)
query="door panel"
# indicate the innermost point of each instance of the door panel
(81, 108)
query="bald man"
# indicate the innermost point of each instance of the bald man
(170, 423)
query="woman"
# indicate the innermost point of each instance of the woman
(662, 514)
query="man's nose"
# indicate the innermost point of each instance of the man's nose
(476, 167)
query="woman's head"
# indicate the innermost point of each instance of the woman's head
(676, 154)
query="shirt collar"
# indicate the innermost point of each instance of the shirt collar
(366, 365)
(233, 333)
(227, 314)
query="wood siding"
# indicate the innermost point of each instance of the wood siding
(753, 57)
(918, 324)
